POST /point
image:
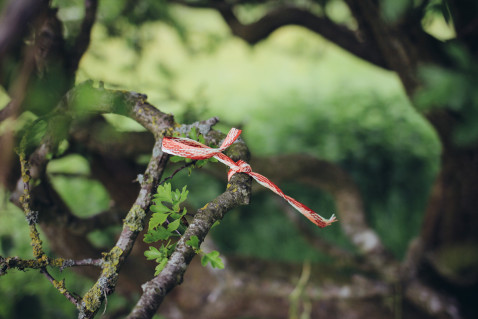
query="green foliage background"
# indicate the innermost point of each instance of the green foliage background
(293, 92)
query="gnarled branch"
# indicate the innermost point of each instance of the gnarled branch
(290, 15)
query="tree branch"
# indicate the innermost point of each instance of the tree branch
(155, 290)
(82, 41)
(60, 286)
(286, 15)
(99, 137)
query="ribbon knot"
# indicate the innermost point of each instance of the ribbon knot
(186, 147)
(240, 167)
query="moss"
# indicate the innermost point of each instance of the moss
(167, 132)
(36, 242)
(113, 256)
(238, 151)
(44, 260)
(135, 218)
(57, 262)
(25, 179)
(92, 299)
(32, 217)
(22, 264)
(60, 286)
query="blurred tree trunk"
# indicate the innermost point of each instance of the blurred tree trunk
(449, 237)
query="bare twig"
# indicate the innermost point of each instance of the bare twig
(60, 286)
(22, 264)
(82, 41)
(177, 171)
(82, 262)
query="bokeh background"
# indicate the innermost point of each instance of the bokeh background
(293, 92)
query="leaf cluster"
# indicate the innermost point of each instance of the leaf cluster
(211, 257)
(166, 223)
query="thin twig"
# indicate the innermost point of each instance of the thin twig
(22, 264)
(82, 262)
(60, 286)
(177, 171)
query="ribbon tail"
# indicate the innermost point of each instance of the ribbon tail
(186, 147)
(301, 208)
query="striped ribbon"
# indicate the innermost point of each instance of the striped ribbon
(186, 147)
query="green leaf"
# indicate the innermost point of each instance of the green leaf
(176, 159)
(171, 248)
(160, 208)
(184, 194)
(163, 193)
(213, 160)
(176, 195)
(160, 266)
(156, 220)
(217, 222)
(213, 259)
(152, 253)
(193, 134)
(201, 139)
(175, 216)
(157, 234)
(174, 225)
(193, 242)
(157, 230)
(201, 163)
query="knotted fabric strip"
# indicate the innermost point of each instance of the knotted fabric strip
(186, 147)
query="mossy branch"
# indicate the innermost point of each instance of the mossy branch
(237, 193)
(41, 260)
(75, 108)
(30, 215)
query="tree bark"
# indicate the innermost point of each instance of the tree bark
(451, 217)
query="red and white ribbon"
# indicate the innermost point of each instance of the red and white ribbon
(186, 147)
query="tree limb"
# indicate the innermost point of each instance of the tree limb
(286, 15)
(82, 40)
(237, 193)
